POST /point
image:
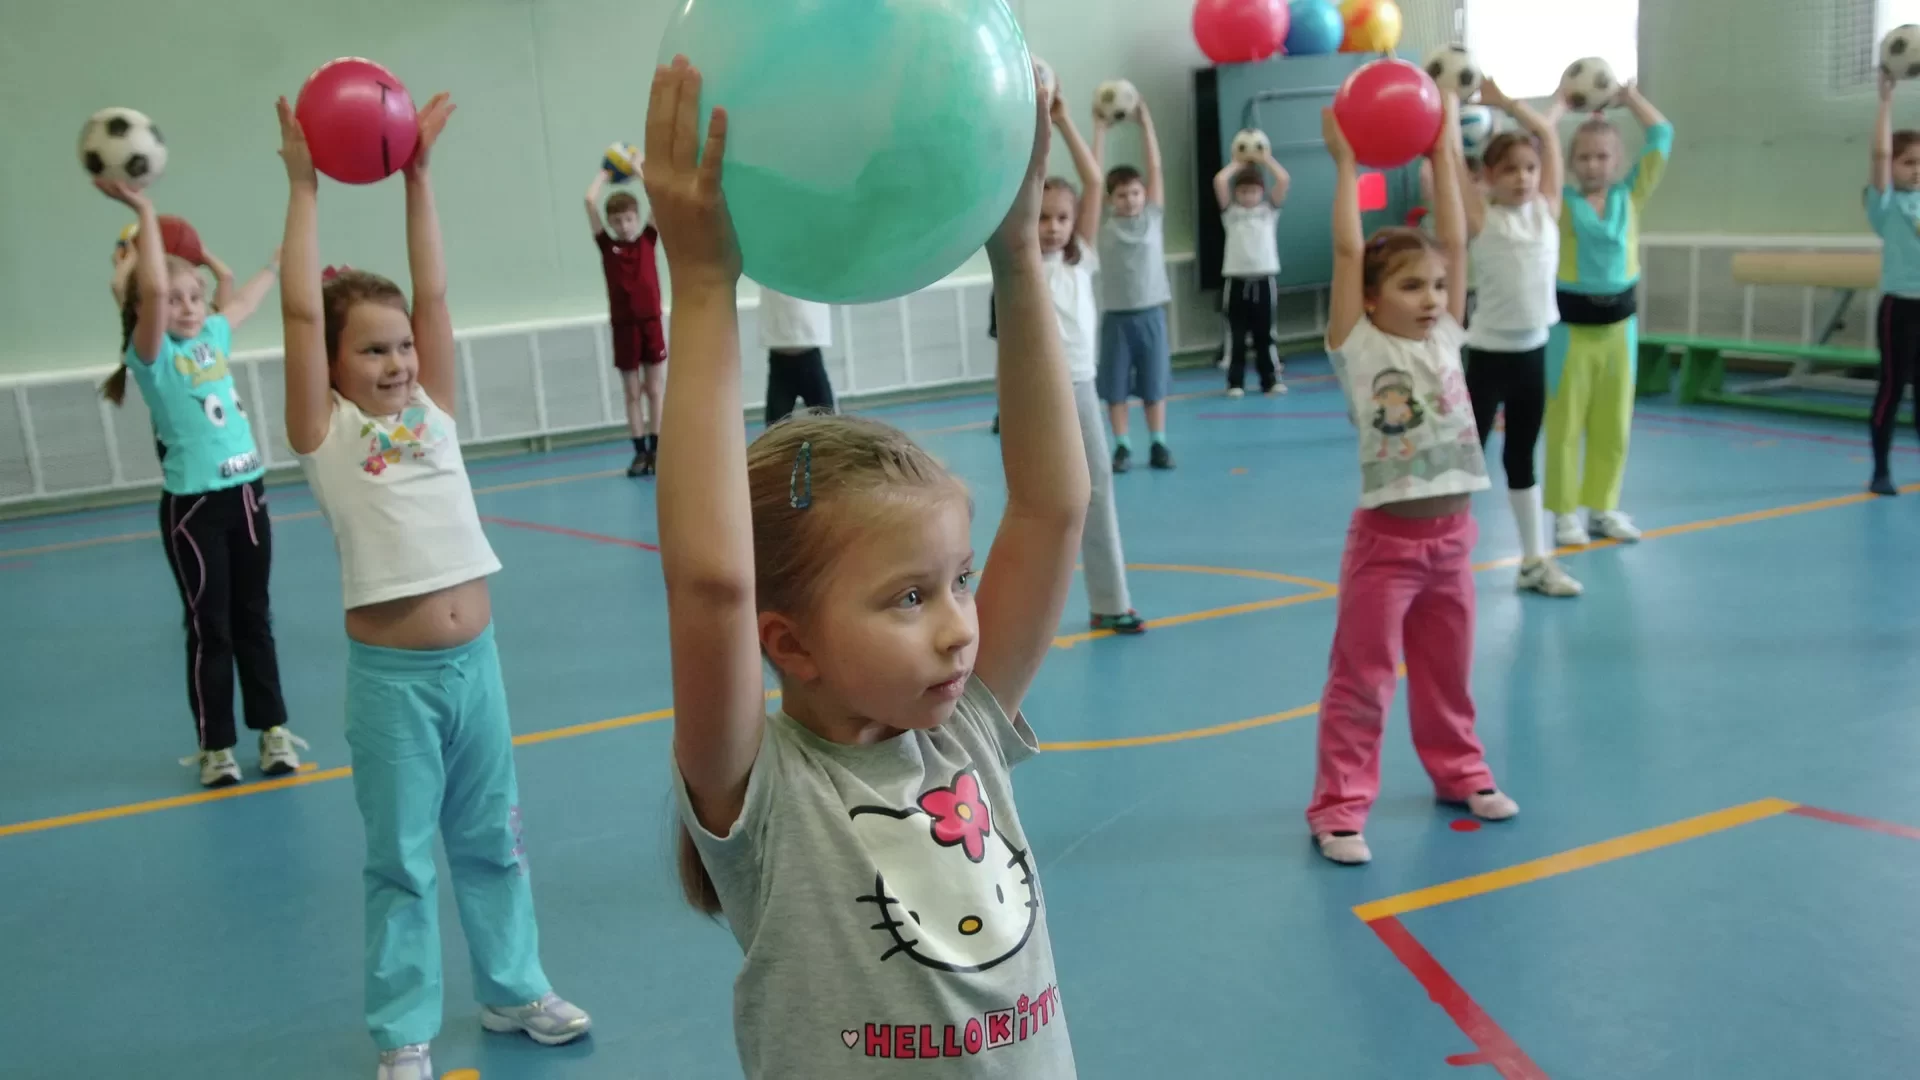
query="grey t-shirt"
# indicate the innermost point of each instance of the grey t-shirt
(889, 907)
(1133, 261)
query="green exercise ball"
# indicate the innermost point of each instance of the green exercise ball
(873, 145)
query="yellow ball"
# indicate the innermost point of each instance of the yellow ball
(1372, 25)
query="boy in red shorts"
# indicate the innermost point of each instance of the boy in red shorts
(633, 302)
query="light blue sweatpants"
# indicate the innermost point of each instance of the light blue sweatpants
(433, 752)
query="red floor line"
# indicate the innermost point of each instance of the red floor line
(1867, 823)
(1493, 1045)
(21, 564)
(1769, 432)
(557, 530)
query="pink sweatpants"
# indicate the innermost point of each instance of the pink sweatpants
(1405, 586)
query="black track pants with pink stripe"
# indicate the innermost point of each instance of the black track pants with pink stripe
(1899, 331)
(220, 545)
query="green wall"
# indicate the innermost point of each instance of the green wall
(543, 85)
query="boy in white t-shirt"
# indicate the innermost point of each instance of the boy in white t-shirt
(795, 332)
(1249, 210)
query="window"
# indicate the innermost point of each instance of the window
(1888, 14)
(1526, 44)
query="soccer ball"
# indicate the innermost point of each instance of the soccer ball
(622, 162)
(1251, 146)
(1452, 68)
(1116, 100)
(1477, 128)
(1588, 84)
(1900, 52)
(1048, 81)
(121, 144)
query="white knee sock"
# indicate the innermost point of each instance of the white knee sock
(1526, 513)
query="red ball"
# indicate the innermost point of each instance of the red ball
(358, 119)
(1240, 31)
(180, 238)
(1390, 111)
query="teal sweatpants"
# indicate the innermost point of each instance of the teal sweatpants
(433, 753)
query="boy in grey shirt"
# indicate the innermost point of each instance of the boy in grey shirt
(1135, 357)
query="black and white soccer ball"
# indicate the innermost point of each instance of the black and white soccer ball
(1452, 68)
(1251, 146)
(1116, 100)
(1900, 52)
(122, 144)
(1588, 84)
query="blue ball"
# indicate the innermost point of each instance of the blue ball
(1314, 28)
(872, 148)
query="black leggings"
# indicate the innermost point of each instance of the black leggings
(1517, 380)
(796, 375)
(1899, 351)
(220, 546)
(1250, 322)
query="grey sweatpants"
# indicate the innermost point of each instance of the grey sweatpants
(1101, 559)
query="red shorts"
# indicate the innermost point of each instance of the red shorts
(639, 344)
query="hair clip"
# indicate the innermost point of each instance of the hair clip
(332, 272)
(800, 485)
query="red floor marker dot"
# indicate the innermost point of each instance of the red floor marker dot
(1465, 825)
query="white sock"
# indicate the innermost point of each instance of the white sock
(1526, 513)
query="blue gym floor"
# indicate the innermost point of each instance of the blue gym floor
(1723, 698)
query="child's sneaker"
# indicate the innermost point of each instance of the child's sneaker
(639, 465)
(407, 1063)
(1122, 459)
(1882, 484)
(549, 1021)
(1568, 532)
(1345, 847)
(1130, 623)
(1545, 577)
(1275, 390)
(996, 423)
(1236, 393)
(277, 754)
(1613, 525)
(1160, 457)
(1492, 805)
(218, 768)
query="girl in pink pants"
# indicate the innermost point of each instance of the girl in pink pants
(1406, 581)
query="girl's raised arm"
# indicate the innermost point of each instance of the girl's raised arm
(309, 392)
(150, 270)
(1449, 216)
(427, 263)
(706, 521)
(1086, 222)
(1346, 298)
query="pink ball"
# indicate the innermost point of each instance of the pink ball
(1390, 111)
(1239, 31)
(358, 119)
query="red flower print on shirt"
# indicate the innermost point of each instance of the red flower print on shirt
(960, 816)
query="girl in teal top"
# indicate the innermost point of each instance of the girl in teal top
(1893, 209)
(213, 510)
(1590, 354)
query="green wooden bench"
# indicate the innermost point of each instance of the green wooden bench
(1702, 368)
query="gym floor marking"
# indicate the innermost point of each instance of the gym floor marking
(1492, 1045)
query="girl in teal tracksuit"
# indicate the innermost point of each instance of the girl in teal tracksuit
(1590, 354)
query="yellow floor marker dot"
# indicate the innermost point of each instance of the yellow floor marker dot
(1239, 472)
(462, 1074)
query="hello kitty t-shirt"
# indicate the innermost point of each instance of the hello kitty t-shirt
(889, 907)
(1409, 399)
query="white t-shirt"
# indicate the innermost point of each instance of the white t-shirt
(1072, 289)
(395, 490)
(1252, 249)
(1409, 400)
(1515, 260)
(787, 323)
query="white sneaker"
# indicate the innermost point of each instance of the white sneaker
(1568, 532)
(1348, 850)
(1491, 805)
(1545, 577)
(549, 1021)
(218, 768)
(407, 1063)
(277, 754)
(1613, 525)
(1276, 389)
(1236, 393)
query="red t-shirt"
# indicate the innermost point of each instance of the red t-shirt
(633, 276)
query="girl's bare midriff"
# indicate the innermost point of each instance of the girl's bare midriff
(436, 620)
(1436, 506)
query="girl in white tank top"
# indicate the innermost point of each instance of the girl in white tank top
(1515, 254)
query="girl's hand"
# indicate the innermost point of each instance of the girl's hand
(293, 149)
(1887, 83)
(1338, 147)
(1629, 90)
(432, 121)
(683, 184)
(122, 192)
(1449, 135)
(1140, 112)
(1019, 231)
(1058, 110)
(1491, 94)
